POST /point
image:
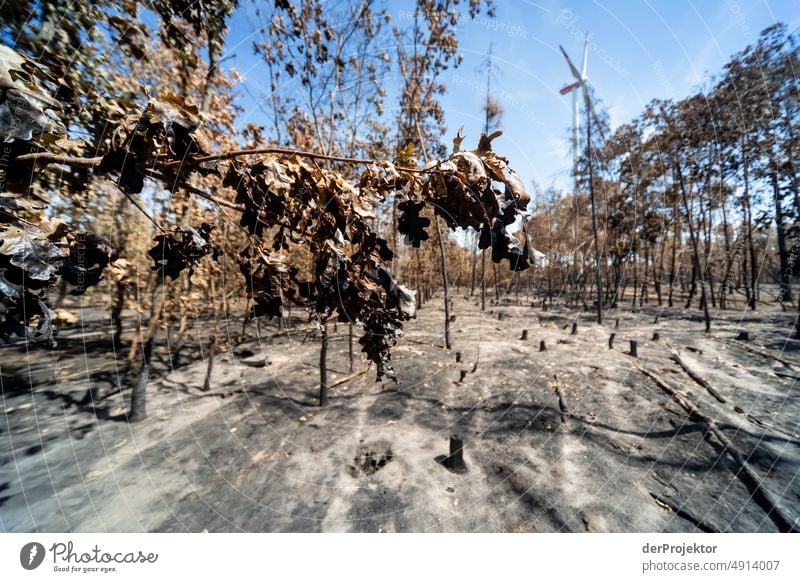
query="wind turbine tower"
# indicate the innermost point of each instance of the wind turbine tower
(580, 82)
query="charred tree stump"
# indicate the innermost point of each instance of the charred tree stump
(524, 335)
(462, 375)
(455, 460)
(656, 337)
(458, 357)
(542, 347)
(616, 325)
(744, 336)
(611, 341)
(574, 328)
(634, 346)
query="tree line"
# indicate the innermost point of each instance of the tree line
(126, 169)
(696, 197)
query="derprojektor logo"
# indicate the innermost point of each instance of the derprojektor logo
(31, 555)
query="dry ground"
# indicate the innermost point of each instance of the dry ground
(576, 438)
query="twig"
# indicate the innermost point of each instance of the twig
(562, 403)
(293, 152)
(348, 378)
(197, 191)
(698, 523)
(141, 209)
(477, 360)
(785, 375)
(50, 158)
(764, 353)
(88, 371)
(697, 378)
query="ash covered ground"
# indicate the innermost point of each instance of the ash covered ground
(698, 433)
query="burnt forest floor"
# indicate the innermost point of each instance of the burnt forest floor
(579, 437)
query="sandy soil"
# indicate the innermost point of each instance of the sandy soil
(576, 438)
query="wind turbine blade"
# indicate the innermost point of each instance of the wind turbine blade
(575, 72)
(571, 87)
(585, 64)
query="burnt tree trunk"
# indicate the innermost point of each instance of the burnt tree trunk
(116, 312)
(748, 217)
(597, 272)
(446, 284)
(350, 347)
(675, 234)
(212, 348)
(723, 288)
(323, 367)
(138, 406)
(474, 267)
(783, 255)
(483, 280)
(695, 248)
(797, 323)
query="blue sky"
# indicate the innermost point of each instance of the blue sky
(639, 50)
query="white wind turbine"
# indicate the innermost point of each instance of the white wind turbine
(581, 81)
